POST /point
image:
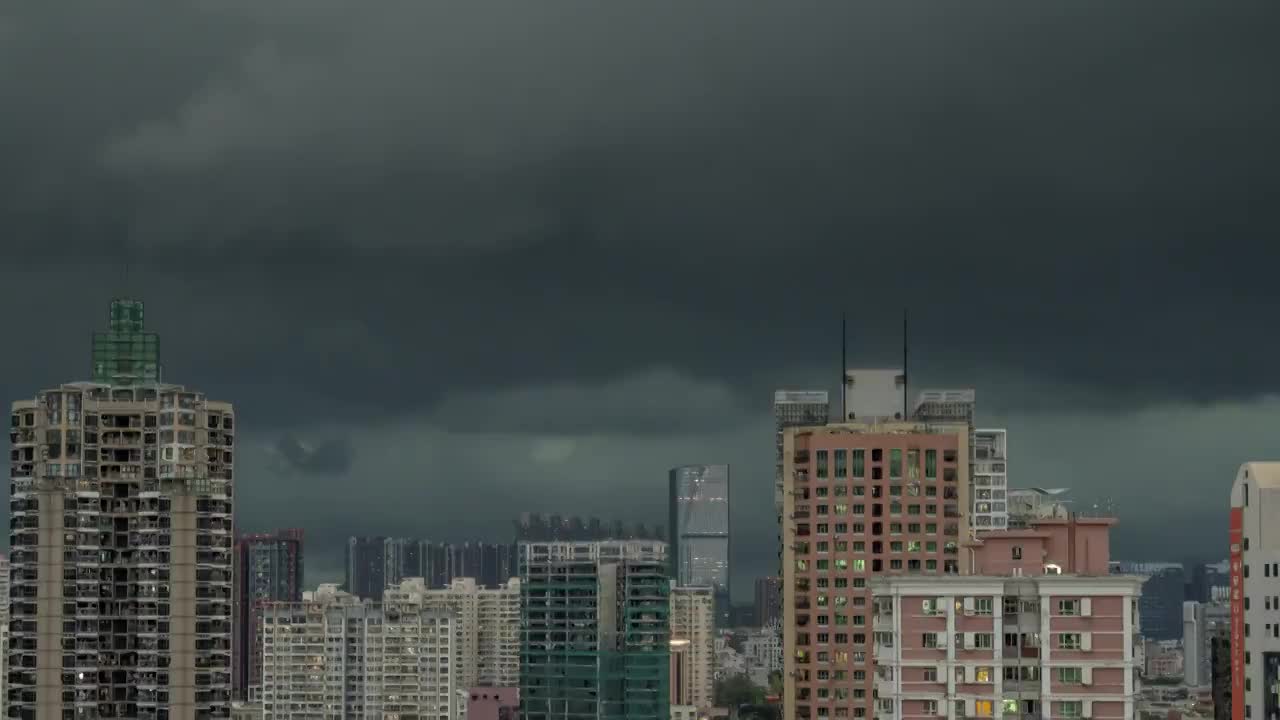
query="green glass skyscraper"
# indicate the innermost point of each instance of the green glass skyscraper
(595, 638)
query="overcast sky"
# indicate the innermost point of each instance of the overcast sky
(456, 261)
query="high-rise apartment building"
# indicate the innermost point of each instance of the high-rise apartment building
(487, 638)
(693, 639)
(863, 499)
(1201, 623)
(595, 633)
(334, 655)
(268, 569)
(121, 521)
(1040, 630)
(698, 550)
(768, 606)
(1255, 585)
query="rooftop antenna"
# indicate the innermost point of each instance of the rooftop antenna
(904, 364)
(844, 368)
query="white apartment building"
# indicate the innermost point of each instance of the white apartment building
(693, 646)
(990, 479)
(487, 636)
(334, 656)
(1255, 591)
(763, 649)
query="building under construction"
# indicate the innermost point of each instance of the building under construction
(595, 635)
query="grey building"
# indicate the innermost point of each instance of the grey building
(1201, 622)
(699, 526)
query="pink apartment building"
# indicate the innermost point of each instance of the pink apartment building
(1039, 631)
(861, 500)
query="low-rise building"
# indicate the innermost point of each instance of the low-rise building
(1042, 631)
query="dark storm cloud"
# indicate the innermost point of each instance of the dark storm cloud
(331, 457)
(583, 190)
(638, 219)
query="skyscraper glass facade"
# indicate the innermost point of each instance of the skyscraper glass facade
(699, 522)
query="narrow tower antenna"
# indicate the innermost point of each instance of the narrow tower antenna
(844, 368)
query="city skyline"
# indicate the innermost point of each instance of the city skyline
(440, 302)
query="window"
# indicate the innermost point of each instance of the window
(983, 708)
(931, 463)
(1069, 641)
(1071, 675)
(1010, 605)
(895, 463)
(822, 463)
(1070, 708)
(842, 463)
(931, 606)
(859, 463)
(983, 641)
(1017, 552)
(877, 455)
(1068, 607)
(949, 456)
(913, 464)
(930, 706)
(930, 640)
(982, 606)
(983, 674)
(931, 675)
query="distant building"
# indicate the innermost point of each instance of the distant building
(768, 606)
(336, 655)
(698, 548)
(487, 637)
(1210, 582)
(541, 527)
(595, 631)
(1026, 506)
(1164, 660)
(376, 563)
(1040, 625)
(693, 645)
(268, 568)
(1201, 622)
(1162, 597)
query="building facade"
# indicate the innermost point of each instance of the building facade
(121, 522)
(990, 479)
(1255, 587)
(693, 644)
(1040, 630)
(1201, 622)
(595, 633)
(487, 643)
(334, 655)
(698, 550)
(268, 569)
(862, 500)
(768, 605)
(4, 633)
